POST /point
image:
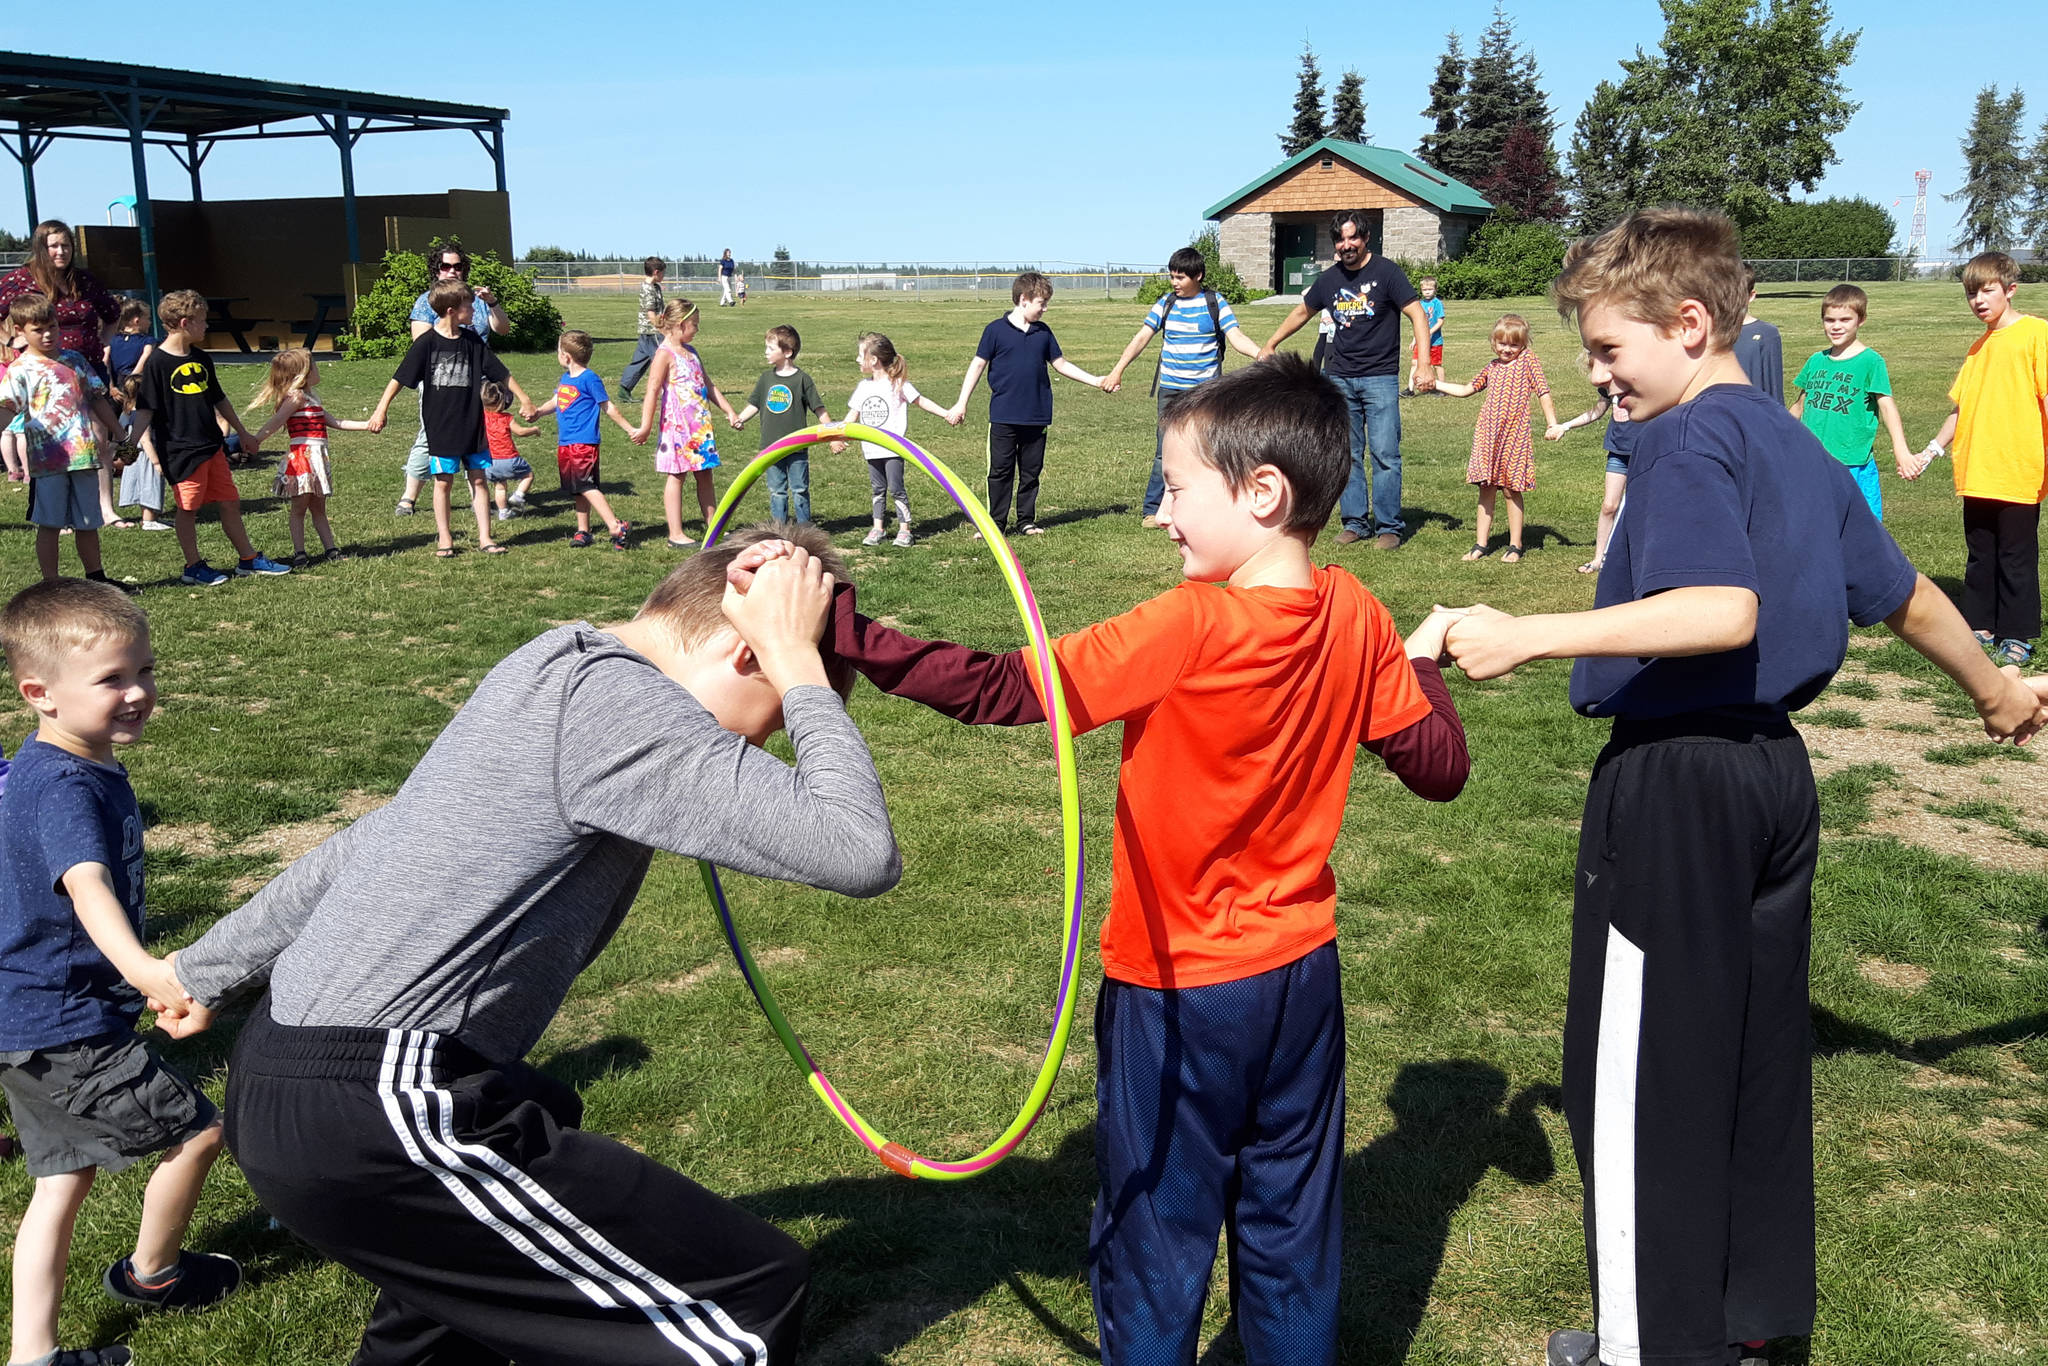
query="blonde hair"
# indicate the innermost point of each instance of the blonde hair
(288, 371)
(1988, 266)
(1513, 329)
(47, 621)
(689, 604)
(887, 359)
(178, 305)
(1651, 262)
(676, 312)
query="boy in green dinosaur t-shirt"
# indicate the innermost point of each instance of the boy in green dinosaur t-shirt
(1846, 390)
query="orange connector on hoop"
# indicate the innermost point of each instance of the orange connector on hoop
(898, 1159)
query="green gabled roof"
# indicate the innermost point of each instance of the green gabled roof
(1397, 169)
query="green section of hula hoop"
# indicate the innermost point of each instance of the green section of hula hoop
(1070, 817)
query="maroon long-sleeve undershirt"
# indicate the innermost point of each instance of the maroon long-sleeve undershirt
(982, 688)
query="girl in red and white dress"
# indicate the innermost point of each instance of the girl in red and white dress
(306, 477)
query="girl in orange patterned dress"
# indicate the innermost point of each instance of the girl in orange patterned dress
(305, 477)
(1503, 453)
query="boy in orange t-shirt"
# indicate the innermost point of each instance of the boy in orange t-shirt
(1999, 425)
(1245, 693)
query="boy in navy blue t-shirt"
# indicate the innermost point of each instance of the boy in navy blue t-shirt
(1016, 349)
(87, 1092)
(1722, 608)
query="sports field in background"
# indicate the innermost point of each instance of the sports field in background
(291, 705)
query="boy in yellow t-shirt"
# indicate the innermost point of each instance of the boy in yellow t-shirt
(1999, 426)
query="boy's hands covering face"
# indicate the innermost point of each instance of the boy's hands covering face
(782, 615)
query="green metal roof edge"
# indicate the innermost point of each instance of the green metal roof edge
(1443, 191)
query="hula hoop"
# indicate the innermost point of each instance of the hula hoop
(894, 1155)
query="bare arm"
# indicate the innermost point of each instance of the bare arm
(227, 413)
(288, 405)
(521, 429)
(420, 328)
(611, 410)
(1062, 365)
(1289, 325)
(91, 889)
(651, 391)
(1930, 624)
(972, 378)
(1585, 419)
(1797, 407)
(1139, 341)
(526, 409)
(1243, 345)
(1888, 413)
(377, 415)
(1425, 374)
(1702, 620)
(934, 409)
(145, 441)
(1549, 409)
(745, 413)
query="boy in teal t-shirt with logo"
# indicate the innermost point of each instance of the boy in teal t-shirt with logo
(783, 396)
(1845, 390)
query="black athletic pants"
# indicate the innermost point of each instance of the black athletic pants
(1687, 1056)
(496, 1229)
(1016, 453)
(2002, 577)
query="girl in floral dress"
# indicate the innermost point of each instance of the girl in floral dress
(680, 395)
(1503, 453)
(305, 477)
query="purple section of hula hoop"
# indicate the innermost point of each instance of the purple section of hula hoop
(1042, 646)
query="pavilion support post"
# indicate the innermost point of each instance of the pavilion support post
(145, 220)
(27, 157)
(498, 153)
(193, 158)
(344, 141)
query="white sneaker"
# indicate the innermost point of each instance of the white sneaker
(903, 536)
(874, 537)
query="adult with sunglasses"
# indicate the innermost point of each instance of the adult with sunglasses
(447, 263)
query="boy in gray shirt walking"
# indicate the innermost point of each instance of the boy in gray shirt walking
(377, 1099)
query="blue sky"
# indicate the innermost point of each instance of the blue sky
(1059, 131)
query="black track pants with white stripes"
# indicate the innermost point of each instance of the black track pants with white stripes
(1687, 1055)
(496, 1230)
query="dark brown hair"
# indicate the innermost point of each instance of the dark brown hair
(1030, 285)
(1850, 297)
(784, 336)
(58, 284)
(447, 296)
(1279, 412)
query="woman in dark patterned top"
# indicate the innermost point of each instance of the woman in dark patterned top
(85, 310)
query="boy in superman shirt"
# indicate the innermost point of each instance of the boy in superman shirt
(579, 397)
(1244, 694)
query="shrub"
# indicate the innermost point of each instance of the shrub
(383, 316)
(1821, 228)
(1506, 257)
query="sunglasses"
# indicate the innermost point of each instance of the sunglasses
(456, 266)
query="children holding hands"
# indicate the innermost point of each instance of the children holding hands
(1723, 607)
(1245, 694)
(86, 1091)
(578, 398)
(1503, 455)
(783, 395)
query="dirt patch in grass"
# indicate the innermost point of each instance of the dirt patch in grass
(1896, 976)
(719, 967)
(1942, 762)
(1995, 1133)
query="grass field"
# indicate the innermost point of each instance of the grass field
(290, 705)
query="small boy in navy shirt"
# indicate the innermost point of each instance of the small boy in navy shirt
(1688, 1076)
(87, 1092)
(1015, 350)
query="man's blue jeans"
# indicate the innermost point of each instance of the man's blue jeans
(1375, 404)
(789, 489)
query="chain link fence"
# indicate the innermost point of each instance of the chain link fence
(1852, 269)
(1107, 278)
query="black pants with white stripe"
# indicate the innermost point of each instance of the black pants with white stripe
(1687, 1054)
(495, 1228)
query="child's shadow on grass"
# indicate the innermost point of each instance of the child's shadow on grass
(1832, 1035)
(901, 1257)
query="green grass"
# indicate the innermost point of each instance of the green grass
(283, 697)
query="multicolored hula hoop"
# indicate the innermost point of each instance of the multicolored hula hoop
(894, 1155)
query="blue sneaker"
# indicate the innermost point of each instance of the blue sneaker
(202, 575)
(260, 565)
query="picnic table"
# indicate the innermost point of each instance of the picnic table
(328, 317)
(220, 317)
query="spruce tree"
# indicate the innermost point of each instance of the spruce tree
(1446, 99)
(1347, 107)
(1995, 175)
(1308, 127)
(2034, 232)
(1503, 91)
(1606, 161)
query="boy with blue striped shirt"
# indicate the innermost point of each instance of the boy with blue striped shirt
(1195, 323)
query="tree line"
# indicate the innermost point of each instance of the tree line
(2005, 184)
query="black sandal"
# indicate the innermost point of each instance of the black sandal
(1477, 552)
(1512, 555)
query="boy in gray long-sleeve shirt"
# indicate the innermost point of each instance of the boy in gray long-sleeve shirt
(377, 1101)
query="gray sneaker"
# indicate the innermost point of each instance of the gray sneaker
(1571, 1347)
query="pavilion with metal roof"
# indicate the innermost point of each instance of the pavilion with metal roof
(189, 113)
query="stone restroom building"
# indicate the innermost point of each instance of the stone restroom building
(1276, 230)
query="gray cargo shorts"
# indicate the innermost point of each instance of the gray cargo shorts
(106, 1102)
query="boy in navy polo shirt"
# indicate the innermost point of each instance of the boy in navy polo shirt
(87, 1092)
(1688, 1079)
(1015, 350)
